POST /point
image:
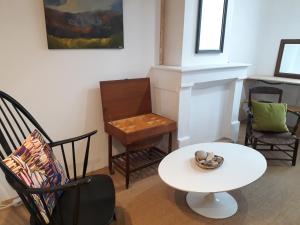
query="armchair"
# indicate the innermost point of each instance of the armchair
(86, 200)
(284, 142)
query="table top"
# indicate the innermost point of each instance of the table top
(242, 165)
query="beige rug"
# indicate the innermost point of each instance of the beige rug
(274, 199)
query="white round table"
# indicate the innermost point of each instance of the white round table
(207, 189)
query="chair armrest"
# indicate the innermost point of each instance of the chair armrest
(294, 108)
(66, 141)
(293, 112)
(296, 126)
(72, 184)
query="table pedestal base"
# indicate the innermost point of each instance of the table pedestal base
(212, 205)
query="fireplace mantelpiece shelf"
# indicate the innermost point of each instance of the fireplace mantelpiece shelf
(201, 67)
(182, 92)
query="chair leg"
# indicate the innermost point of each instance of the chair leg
(295, 153)
(170, 143)
(250, 140)
(127, 168)
(114, 217)
(246, 140)
(111, 171)
(254, 144)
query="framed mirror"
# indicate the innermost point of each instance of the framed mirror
(211, 25)
(288, 61)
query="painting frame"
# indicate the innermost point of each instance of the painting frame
(84, 24)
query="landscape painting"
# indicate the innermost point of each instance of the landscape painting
(83, 24)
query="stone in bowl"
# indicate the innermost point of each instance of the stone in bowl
(208, 160)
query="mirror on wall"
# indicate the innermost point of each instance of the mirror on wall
(288, 62)
(211, 25)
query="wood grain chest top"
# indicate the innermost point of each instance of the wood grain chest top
(141, 122)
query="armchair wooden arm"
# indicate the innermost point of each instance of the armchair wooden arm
(74, 139)
(295, 110)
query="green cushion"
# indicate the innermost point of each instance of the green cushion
(269, 116)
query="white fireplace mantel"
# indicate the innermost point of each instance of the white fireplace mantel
(204, 100)
(201, 67)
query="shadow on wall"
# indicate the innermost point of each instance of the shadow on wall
(94, 120)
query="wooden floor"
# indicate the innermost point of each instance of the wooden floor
(272, 200)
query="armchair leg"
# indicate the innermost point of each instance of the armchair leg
(295, 153)
(170, 143)
(246, 140)
(254, 144)
(127, 168)
(111, 171)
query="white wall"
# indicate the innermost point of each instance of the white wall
(60, 87)
(257, 28)
(189, 57)
(253, 33)
(281, 22)
(248, 19)
(243, 26)
(244, 21)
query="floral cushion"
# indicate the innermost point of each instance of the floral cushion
(35, 164)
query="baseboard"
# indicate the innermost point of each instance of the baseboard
(183, 141)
